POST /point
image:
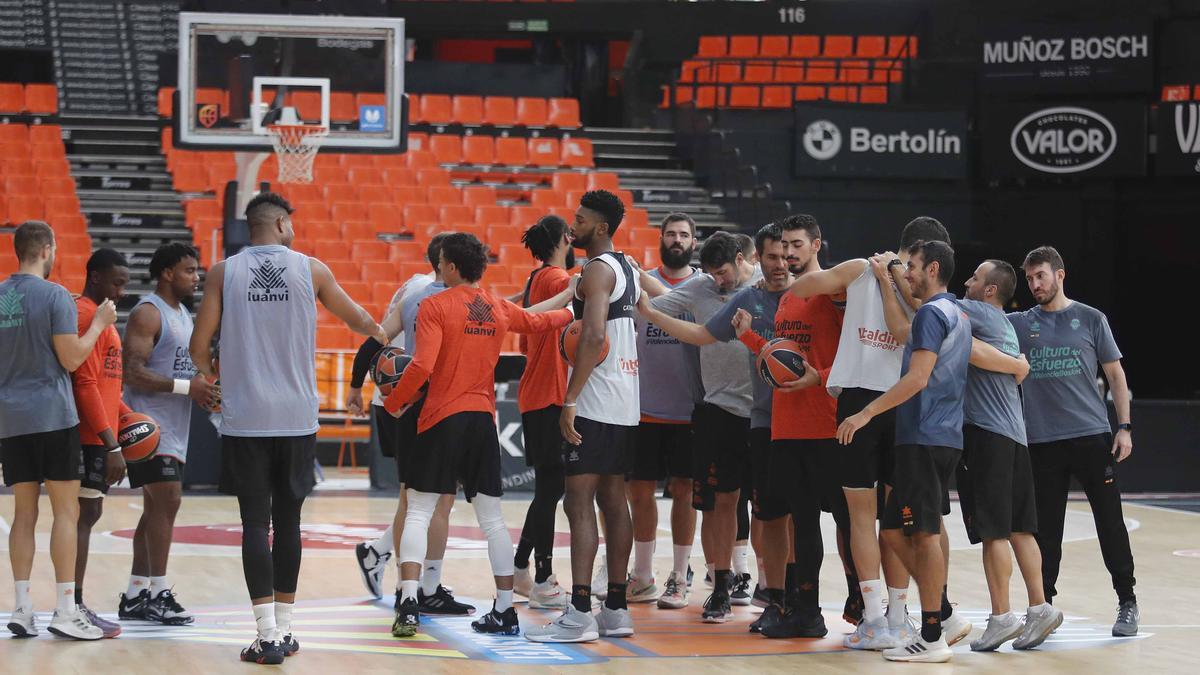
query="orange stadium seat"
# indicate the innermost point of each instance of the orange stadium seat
(577, 152)
(821, 71)
(490, 214)
(744, 97)
(370, 98)
(478, 195)
(524, 216)
(420, 159)
(712, 46)
(569, 180)
(743, 46)
(759, 72)
(408, 194)
(479, 150)
(546, 199)
(729, 72)
(870, 46)
(436, 109)
(369, 250)
(806, 46)
(810, 93)
(342, 108)
(457, 216)
(500, 111)
(343, 269)
(23, 207)
(602, 180)
(357, 231)
(407, 252)
(12, 97)
(377, 270)
(563, 113)
(433, 176)
(365, 175)
(468, 110)
(345, 211)
(873, 95)
(416, 215)
(398, 176)
(14, 133)
(41, 99)
(385, 217)
(443, 194)
(773, 46)
(777, 97)
(838, 46)
(854, 71)
(374, 194)
(531, 112)
(382, 291)
(512, 151)
(447, 148)
(166, 102)
(45, 133)
(339, 192)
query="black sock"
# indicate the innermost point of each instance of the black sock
(78, 595)
(789, 579)
(721, 582)
(947, 610)
(775, 596)
(524, 549)
(616, 597)
(931, 626)
(542, 568)
(808, 594)
(581, 597)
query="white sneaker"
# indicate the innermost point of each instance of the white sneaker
(955, 628)
(548, 595)
(905, 632)
(571, 626)
(640, 592)
(675, 593)
(1038, 627)
(1000, 629)
(522, 582)
(22, 623)
(614, 622)
(920, 651)
(74, 625)
(600, 582)
(371, 566)
(871, 636)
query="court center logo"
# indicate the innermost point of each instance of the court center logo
(11, 309)
(822, 140)
(1063, 140)
(268, 284)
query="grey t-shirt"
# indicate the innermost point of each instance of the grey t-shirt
(1064, 350)
(35, 390)
(934, 416)
(993, 401)
(722, 365)
(408, 314)
(762, 306)
(668, 370)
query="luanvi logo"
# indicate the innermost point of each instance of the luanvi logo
(1063, 140)
(268, 284)
(479, 313)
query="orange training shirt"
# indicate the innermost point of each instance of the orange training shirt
(544, 382)
(97, 383)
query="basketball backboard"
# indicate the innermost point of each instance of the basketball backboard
(241, 73)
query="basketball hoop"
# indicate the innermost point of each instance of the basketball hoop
(296, 147)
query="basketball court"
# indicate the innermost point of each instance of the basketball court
(342, 629)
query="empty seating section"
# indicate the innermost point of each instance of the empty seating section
(33, 99)
(36, 184)
(773, 71)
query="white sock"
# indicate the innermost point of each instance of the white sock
(21, 595)
(66, 598)
(264, 618)
(872, 593)
(136, 585)
(643, 560)
(1007, 617)
(503, 600)
(897, 610)
(431, 576)
(682, 555)
(384, 543)
(741, 560)
(283, 616)
(408, 589)
(1034, 609)
(158, 585)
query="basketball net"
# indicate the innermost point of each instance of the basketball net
(296, 147)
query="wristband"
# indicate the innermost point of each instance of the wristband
(182, 387)
(116, 449)
(568, 405)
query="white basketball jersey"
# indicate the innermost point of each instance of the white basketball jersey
(868, 355)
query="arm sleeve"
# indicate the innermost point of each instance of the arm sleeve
(64, 315)
(929, 329)
(720, 325)
(521, 321)
(429, 346)
(362, 361)
(753, 341)
(1106, 345)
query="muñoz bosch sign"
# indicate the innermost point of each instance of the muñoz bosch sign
(1094, 56)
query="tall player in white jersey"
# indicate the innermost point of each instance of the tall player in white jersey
(262, 302)
(161, 382)
(601, 409)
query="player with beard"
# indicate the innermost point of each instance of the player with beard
(160, 381)
(770, 535)
(1069, 432)
(669, 379)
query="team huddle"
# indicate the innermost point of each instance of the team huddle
(761, 390)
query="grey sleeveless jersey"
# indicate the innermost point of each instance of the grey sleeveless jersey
(169, 358)
(268, 344)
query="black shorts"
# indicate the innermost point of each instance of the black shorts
(398, 435)
(765, 500)
(257, 466)
(721, 445)
(462, 449)
(157, 469)
(920, 489)
(94, 475)
(995, 486)
(868, 460)
(543, 437)
(606, 449)
(662, 451)
(50, 455)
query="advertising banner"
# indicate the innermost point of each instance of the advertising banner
(1090, 139)
(858, 142)
(1094, 56)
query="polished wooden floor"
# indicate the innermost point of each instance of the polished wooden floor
(341, 629)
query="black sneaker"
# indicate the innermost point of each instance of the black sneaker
(134, 608)
(498, 623)
(761, 598)
(716, 608)
(290, 645)
(408, 619)
(690, 574)
(264, 652)
(771, 616)
(739, 592)
(442, 603)
(167, 611)
(798, 623)
(852, 611)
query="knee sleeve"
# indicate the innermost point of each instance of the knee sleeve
(286, 548)
(500, 546)
(414, 540)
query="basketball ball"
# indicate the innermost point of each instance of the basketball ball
(138, 437)
(387, 367)
(568, 343)
(780, 362)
